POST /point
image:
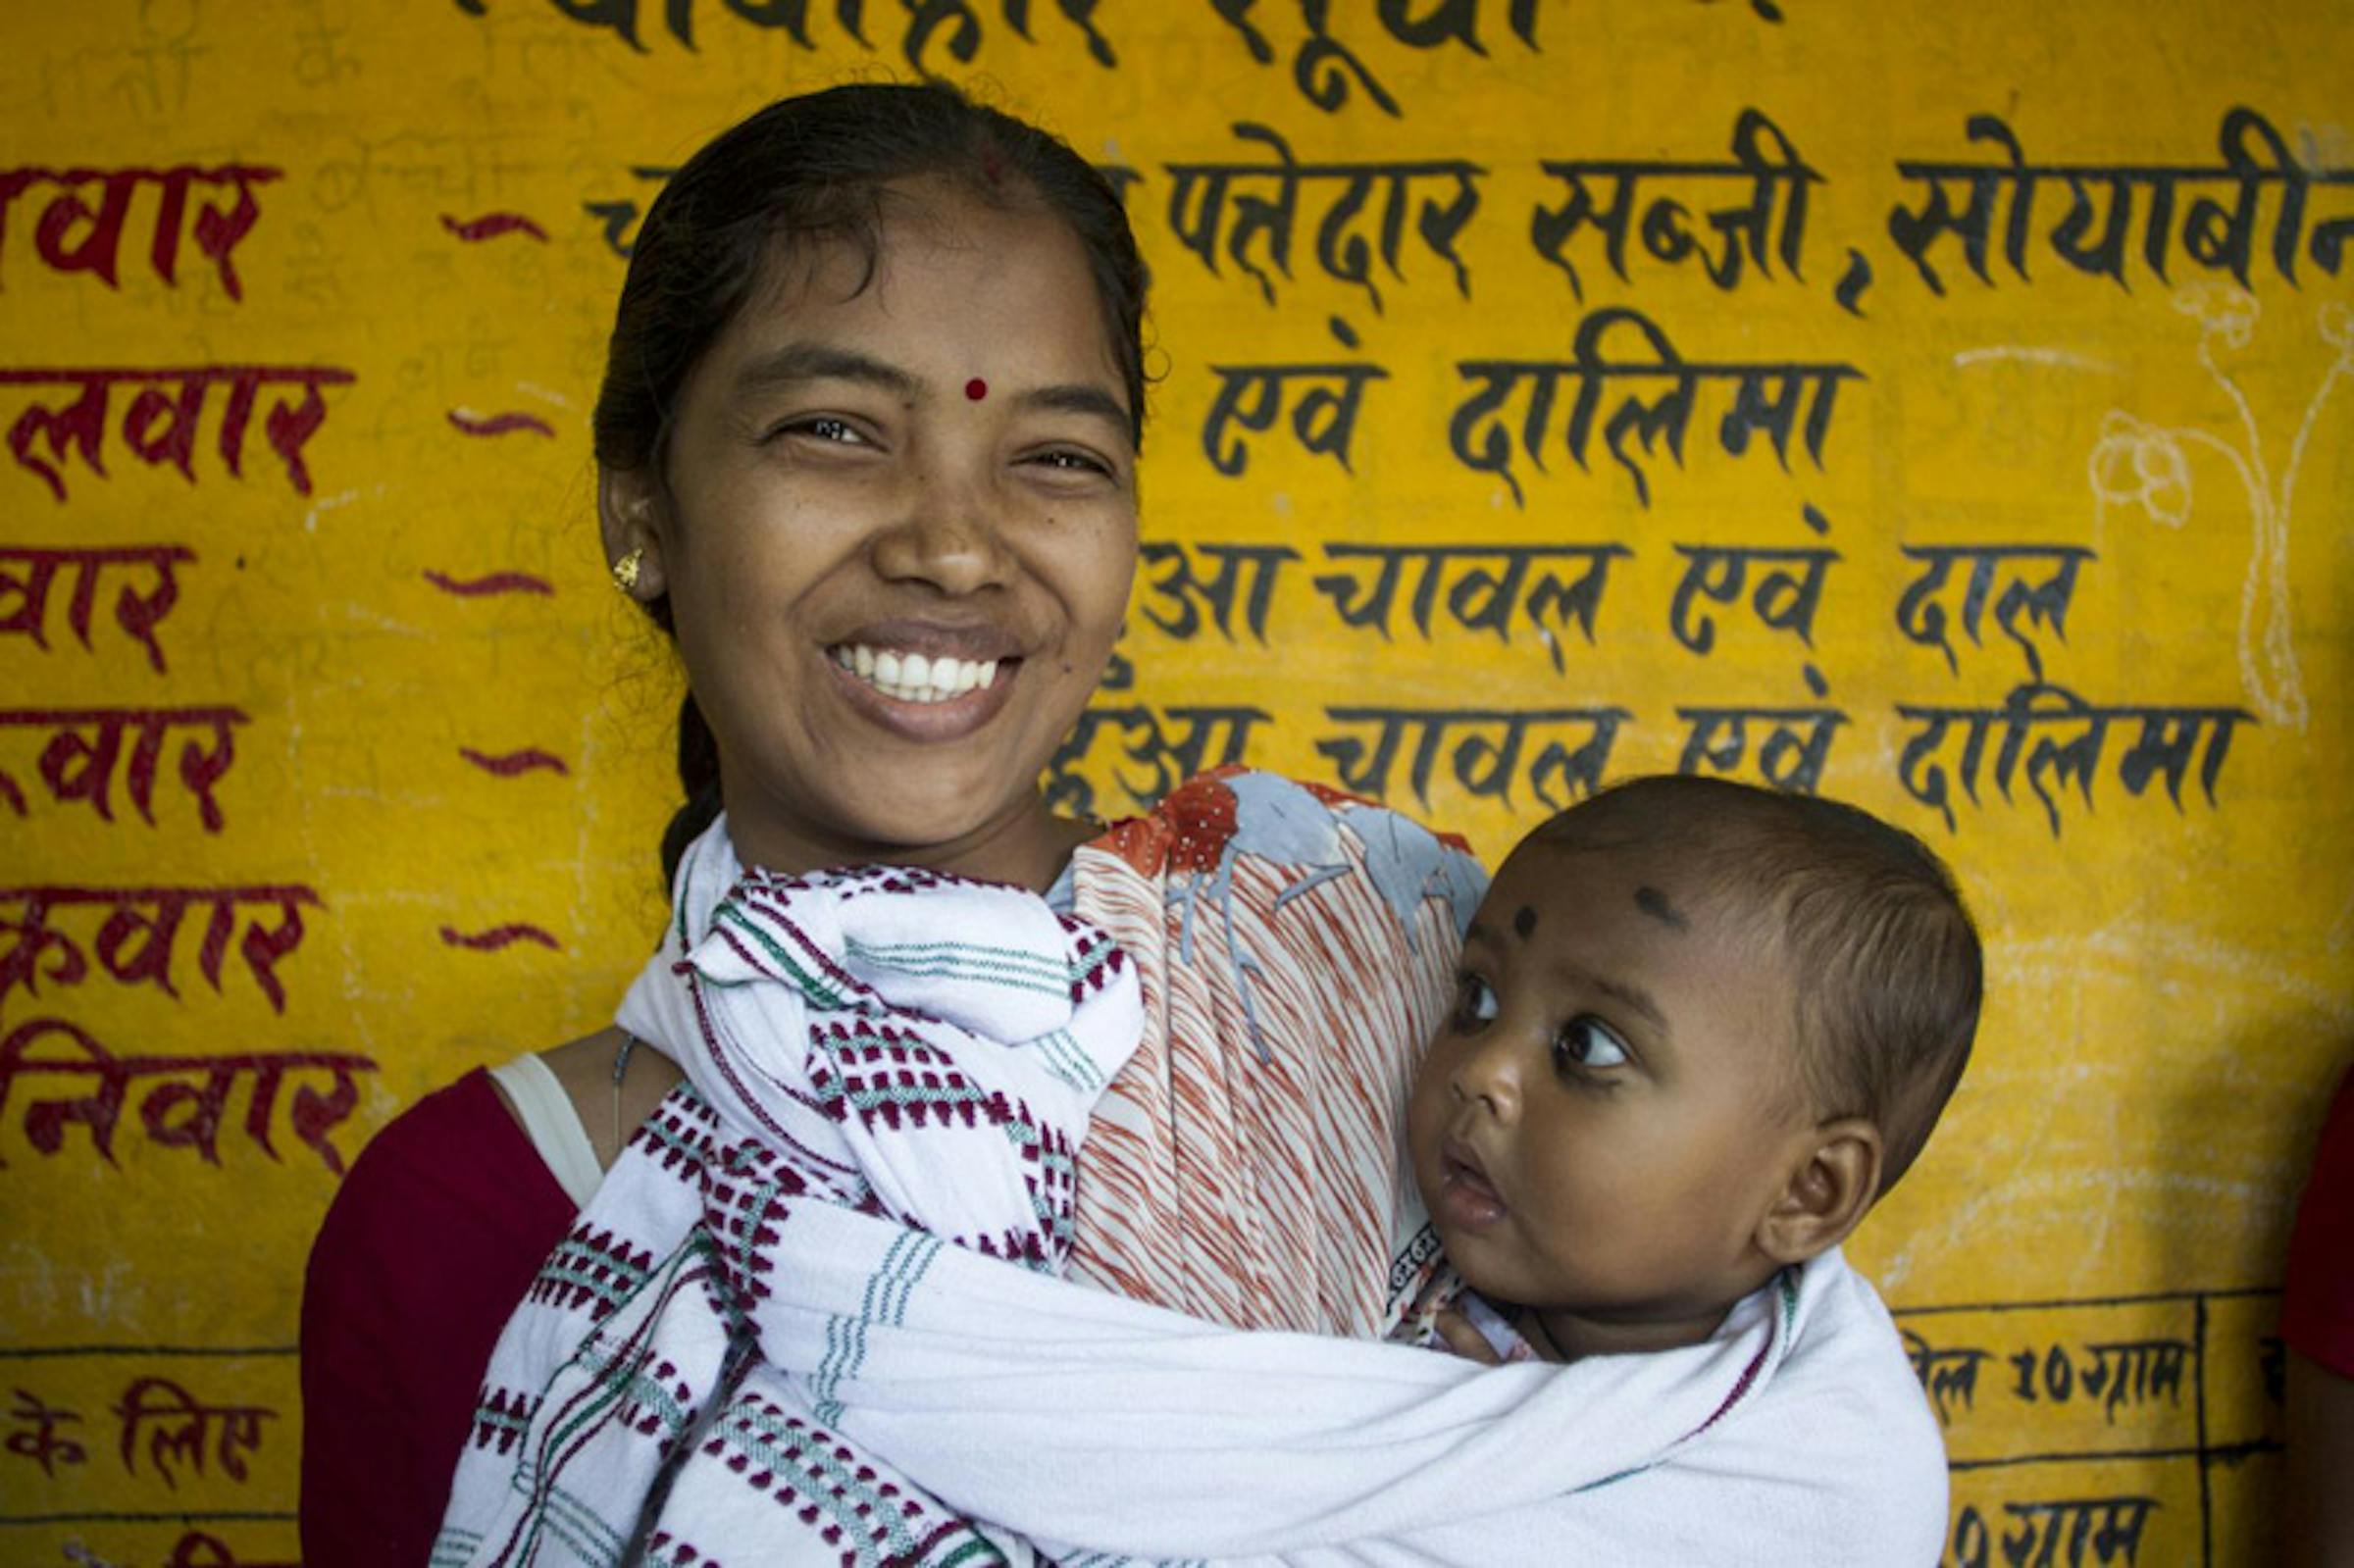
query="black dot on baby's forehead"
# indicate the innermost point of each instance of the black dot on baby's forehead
(1656, 904)
(1524, 921)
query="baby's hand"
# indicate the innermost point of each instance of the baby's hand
(1464, 1340)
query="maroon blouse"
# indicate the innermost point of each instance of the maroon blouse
(2316, 1315)
(433, 1239)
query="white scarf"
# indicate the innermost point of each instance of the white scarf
(905, 1043)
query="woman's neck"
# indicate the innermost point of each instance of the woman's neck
(1027, 848)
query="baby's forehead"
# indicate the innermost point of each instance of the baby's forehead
(1638, 921)
(1640, 885)
(1650, 877)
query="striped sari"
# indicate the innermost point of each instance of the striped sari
(1298, 950)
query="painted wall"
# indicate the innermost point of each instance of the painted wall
(1943, 406)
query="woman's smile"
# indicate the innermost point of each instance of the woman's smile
(913, 677)
(942, 659)
(920, 696)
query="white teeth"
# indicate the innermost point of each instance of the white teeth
(915, 677)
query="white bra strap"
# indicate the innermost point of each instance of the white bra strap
(552, 1124)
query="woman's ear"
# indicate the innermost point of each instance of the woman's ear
(1829, 1189)
(629, 517)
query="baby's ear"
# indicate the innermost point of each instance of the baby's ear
(1831, 1183)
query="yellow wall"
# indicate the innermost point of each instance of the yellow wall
(2173, 987)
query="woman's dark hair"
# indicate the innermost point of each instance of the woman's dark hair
(812, 170)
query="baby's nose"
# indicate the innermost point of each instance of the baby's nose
(1485, 1075)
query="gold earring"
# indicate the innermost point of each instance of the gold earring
(625, 569)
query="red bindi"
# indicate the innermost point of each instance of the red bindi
(976, 389)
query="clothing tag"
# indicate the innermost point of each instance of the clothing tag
(1502, 1337)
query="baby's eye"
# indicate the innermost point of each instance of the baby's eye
(1586, 1043)
(1474, 1003)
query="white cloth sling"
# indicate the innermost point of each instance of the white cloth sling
(752, 1351)
(1107, 1432)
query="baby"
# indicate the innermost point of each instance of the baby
(1700, 1028)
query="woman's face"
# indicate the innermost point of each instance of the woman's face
(898, 536)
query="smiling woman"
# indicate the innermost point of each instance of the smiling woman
(830, 499)
(867, 443)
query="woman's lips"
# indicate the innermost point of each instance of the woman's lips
(1467, 1198)
(943, 719)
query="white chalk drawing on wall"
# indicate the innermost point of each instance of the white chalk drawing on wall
(2135, 463)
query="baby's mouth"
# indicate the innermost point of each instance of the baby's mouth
(1466, 1195)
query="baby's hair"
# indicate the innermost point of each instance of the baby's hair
(1883, 956)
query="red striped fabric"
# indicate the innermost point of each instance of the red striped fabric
(1251, 1175)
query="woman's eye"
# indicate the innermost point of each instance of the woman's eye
(1474, 1003)
(824, 428)
(1585, 1042)
(1070, 462)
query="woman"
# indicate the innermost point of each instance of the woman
(867, 442)
(2317, 1327)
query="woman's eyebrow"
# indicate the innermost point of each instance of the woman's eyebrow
(1077, 397)
(813, 362)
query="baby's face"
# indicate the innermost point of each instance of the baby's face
(1613, 1105)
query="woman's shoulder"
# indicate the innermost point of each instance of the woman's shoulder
(453, 1165)
(461, 1123)
(469, 1143)
(1214, 819)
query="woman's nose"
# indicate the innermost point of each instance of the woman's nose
(951, 536)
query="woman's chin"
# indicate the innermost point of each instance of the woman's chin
(927, 821)
(947, 805)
